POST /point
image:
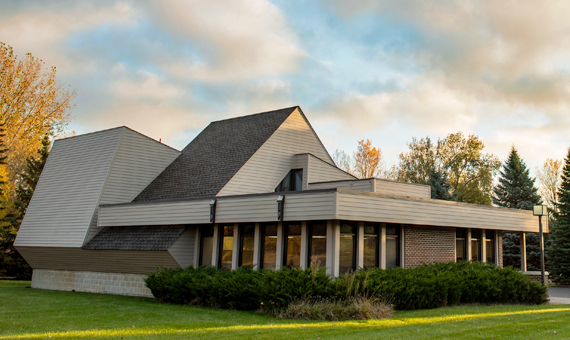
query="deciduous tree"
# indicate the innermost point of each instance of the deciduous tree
(549, 177)
(366, 159)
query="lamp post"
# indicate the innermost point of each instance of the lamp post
(540, 210)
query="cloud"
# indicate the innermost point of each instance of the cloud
(145, 86)
(235, 39)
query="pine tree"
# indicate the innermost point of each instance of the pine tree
(440, 187)
(516, 190)
(12, 264)
(559, 251)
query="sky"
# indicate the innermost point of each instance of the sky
(386, 71)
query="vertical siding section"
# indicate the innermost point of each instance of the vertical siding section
(68, 190)
(267, 167)
(182, 250)
(386, 186)
(321, 171)
(138, 160)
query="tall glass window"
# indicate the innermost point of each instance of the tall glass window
(490, 246)
(246, 242)
(206, 245)
(318, 243)
(460, 245)
(293, 181)
(293, 245)
(392, 245)
(475, 245)
(226, 246)
(347, 258)
(370, 259)
(269, 251)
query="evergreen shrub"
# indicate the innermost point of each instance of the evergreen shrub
(426, 286)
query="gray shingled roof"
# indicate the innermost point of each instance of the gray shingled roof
(214, 157)
(135, 238)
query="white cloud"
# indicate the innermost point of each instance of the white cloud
(145, 86)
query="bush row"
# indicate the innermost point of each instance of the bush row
(426, 286)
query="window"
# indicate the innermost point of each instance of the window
(490, 246)
(318, 243)
(269, 246)
(246, 241)
(293, 181)
(475, 245)
(392, 245)
(226, 246)
(347, 257)
(206, 245)
(370, 259)
(292, 245)
(460, 245)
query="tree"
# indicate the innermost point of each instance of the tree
(343, 160)
(439, 186)
(366, 159)
(515, 189)
(549, 179)
(11, 262)
(468, 170)
(559, 250)
(33, 103)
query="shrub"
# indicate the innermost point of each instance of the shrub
(330, 309)
(426, 286)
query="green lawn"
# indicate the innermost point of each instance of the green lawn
(39, 314)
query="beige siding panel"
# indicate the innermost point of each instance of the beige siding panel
(385, 186)
(321, 171)
(267, 167)
(182, 250)
(167, 213)
(302, 162)
(68, 190)
(108, 261)
(370, 207)
(360, 184)
(139, 159)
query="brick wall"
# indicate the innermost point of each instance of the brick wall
(90, 282)
(500, 255)
(427, 244)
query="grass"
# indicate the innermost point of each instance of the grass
(39, 314)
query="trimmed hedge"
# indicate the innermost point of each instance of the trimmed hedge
(426, 286)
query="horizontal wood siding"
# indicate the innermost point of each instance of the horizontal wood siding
(182, 250)
(362, 185)
(139, 159)
(371, 207)
(267, 167)
(68, 190)
(385, 186)
(302, 162)
(184, 212)
(108, 261)
(321, 171)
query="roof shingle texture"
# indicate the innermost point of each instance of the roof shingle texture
(214, 157)
(135, 238)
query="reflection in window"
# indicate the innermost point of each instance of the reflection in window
(370, 259)
(227, 246)
(490, 246)
(269, 251)
(293, 245)
(206, 245)
(460, 245)
(318, 243)
(392, 245)
(293, 181)
(475, 245)
(247, 233)
(347, 256)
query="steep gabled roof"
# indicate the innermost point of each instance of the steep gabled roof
(214, 156)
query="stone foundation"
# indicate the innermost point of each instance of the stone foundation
(536, 276)
(91, 282)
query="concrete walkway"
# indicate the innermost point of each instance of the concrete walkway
(559, 294)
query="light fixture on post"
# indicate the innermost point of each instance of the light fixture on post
(540, 210)
(213, 211)
(280, 204)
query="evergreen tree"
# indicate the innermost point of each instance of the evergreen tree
(440, 187)
(559, 251)
(516, 190)
(12, 264)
